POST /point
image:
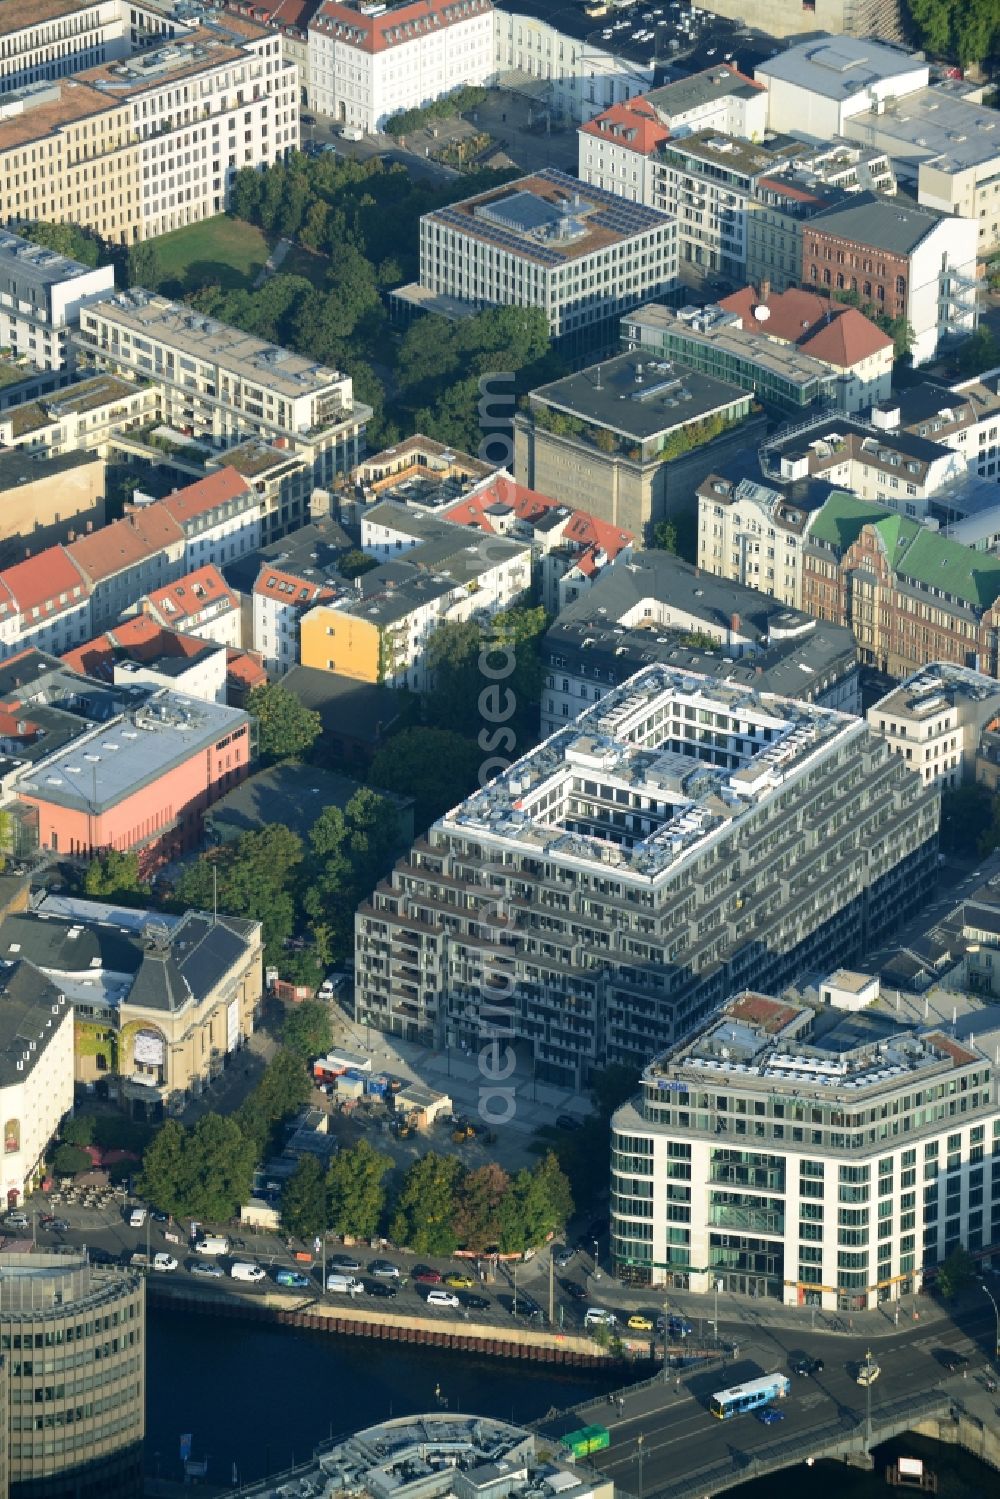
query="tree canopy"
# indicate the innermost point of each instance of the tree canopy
(356, 1190)
(203, 1173)
(67, 239)
(281, 1092)
(303, 1200)
(424, 1220)
(967, 31)
(116, 876)
(286, 729)
(307, 1030)
(487, 679)
(435, 766)
(253, 876)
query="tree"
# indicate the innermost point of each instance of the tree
(558, 1198)
(78, 1131)
(425, 1211)
(355, 563)
(254, 876)
(665, 536)
(307, 1030)
(66, 239)
(69, 1160)
(144, 265)
(966, 32)
(970, 821)
(281, 1092)
(355, 1190)
(163, 1177)
(204, 1173)
(980, 351)
(116, 875)
(955, 1273)
(477, 1210)
(434, 766)
(303, 1201)
(286, 730)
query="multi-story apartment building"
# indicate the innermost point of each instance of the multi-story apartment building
(176, 995)
(44, 603)
(964, 417)
(280, 600)
(81, 417)
(220, 517)
(141, 650)
(581, 254)
(831, 357)
(47, 501)
(656, 607)
(369, 63)
(614, 885)
(817, 1154)
(225, 385)
(200, 604)
(291, 18)
(54, 38)
(69, 154)
(618, 147)
(36, 1073)
(439, 572)
(935, 719)
(41, 294)
(629, 439)
(282, 480)
(97, 1314)
(901, 470)
(753, 532)
(138, 146)
(911, 595)
(143, 550)
(577, 70)
(911, 263)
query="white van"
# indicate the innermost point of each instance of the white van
(344, 1285)
(352, 133)
(442, 1298)
(137, 1218)
(243, 1270)
(211, 1244)
(598, 1317)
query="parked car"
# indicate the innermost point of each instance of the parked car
(344, 1262)
(638, 1323)
(16, 1222)
(476, 1303)
(869, 1371)
(211, 1244)
(163, 1261)
(384, 1270)
(804, 1365)
(769, 1415)
(437, 1297)
(676, 1327)
(379, 1288)
(293, 1278)
(344, 1285)
(244, 1270)
(459, 1282)
(202, 1267)
(426, 1275)
(574, 1289)
(136, 1218)
(564, 1256)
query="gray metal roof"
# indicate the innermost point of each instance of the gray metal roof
(30, 1011)
(884, 223)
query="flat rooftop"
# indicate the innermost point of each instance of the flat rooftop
(935, 687)
(838, 67)
(714, 328)
(761, 1044)
(639, 396)
(40, 110)
(550, 218)
(72, 400)
(148, 316)
(254, 459)
(935, 128)
(634, 749)
(195, 52)
(729, 153)
(35, 265)
(110, 762)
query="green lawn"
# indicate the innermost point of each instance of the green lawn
(223, 251)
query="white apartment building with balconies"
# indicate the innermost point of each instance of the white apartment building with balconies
(41, 294)
(935, 718)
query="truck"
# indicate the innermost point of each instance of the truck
(585, 1441)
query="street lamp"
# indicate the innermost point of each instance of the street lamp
(718, 1288)
(638, 1443)
(597, 1263)
(996, 1311)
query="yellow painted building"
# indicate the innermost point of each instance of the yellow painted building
(332, 640)
(71, 159)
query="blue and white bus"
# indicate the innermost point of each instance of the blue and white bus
(749, 1396)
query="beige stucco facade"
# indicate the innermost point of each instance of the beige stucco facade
(66, 499)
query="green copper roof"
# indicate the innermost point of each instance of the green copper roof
(915, 552)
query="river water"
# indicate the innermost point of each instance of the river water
(258, 1398)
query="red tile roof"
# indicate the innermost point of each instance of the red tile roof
(245, 668)
(820, 327)
(585, 532)
(42, 581)
(186, 598)
(394, 27)
(126, 542)
(141, 638)
(632, 125)
(290, 589)
(205, 495)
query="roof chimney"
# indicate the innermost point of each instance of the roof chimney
(765, 289)
(734, 624)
